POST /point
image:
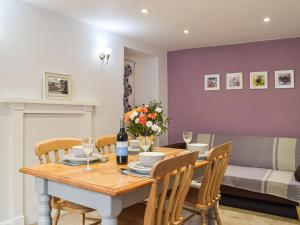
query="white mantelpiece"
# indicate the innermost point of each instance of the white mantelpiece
(46, 101)
(19, 107)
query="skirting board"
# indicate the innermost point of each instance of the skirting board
(15, 221)
(20, 220)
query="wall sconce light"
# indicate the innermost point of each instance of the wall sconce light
(104, 55)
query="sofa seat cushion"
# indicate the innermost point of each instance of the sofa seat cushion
(273, 182)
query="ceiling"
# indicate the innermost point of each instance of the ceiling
(210, 22)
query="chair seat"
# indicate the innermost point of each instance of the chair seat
(73, 207)
(133, 215)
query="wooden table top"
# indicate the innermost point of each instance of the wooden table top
(104, 177)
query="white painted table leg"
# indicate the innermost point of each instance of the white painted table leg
(110, 210)
(109, 220)
(44, 210)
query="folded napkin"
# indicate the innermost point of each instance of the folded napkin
(131, 172)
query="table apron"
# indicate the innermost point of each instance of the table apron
(105, 204)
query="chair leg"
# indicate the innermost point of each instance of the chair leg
(217, 215)
(298, 212)
(82, 219)
(56, 217)
(203, 218)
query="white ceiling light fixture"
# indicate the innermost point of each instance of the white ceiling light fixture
(267, 19)
(186, 31)
(145, 11)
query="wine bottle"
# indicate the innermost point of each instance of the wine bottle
(122, 145)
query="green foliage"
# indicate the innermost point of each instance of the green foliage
(147, 120)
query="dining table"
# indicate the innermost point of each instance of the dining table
(105, 188)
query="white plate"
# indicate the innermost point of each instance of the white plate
(139, 168)
(72, 158)
(202, 155)
(133, 150)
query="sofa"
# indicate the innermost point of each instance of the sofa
(260, 170)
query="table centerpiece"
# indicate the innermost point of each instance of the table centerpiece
(147, 121)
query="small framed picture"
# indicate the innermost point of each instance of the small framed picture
(212, 82)
(234, 81)
(259, 80)
(284, 79)
(57, 86)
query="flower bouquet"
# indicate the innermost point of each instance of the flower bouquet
(147, 120)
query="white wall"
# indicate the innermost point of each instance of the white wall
(33, 41)
(145, 77)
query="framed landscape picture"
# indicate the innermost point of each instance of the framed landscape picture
(212, 82)
(259, 80)
(284, 79)
(234, 81)
(57, 86)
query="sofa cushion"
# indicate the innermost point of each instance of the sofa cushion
(297, 174)
(273, 182)
(261, 152)
(248, 151)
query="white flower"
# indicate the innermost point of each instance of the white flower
(149, 124)
(155, 127)
(133, 115)
(158, 130)
(158, 110)
(146, 106)
(137, 120)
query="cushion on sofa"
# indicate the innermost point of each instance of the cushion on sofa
(273, 182)
(261, 152)
(297, 174)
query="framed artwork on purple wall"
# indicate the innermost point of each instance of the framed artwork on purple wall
(284, 79)
(234, 81)
(259, 80)
(212, 82)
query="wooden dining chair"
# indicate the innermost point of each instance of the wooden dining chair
(175, 172)
(55, 147)
(107, 143)
(206, 195)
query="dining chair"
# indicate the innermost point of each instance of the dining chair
(175, 172)
(107, 144)
(56, 147)
(205, 194)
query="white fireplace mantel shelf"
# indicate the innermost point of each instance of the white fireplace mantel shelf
(47, 101)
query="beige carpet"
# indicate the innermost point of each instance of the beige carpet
(229, 216)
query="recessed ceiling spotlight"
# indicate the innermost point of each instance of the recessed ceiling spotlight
(145, 11)
(186, 31)
(267, 19)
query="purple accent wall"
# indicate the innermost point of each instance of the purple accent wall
(269, 112)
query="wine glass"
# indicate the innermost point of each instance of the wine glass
(88, 147)
(145, 143)
(187, 137)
